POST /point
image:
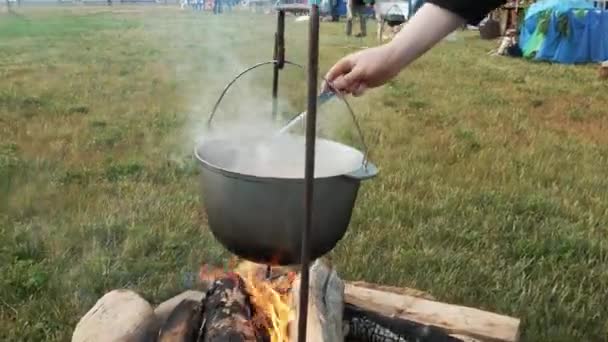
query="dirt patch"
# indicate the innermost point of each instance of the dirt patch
(577, 116)
(580, 116)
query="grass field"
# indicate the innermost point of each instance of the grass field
(492, 193)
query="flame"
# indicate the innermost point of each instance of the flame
(271, 299)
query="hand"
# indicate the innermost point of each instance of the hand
(373, 67)
(365, 69)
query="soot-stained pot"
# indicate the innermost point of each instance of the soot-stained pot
(394, 19)
(255, 201)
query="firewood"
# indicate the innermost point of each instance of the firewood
(227, 313)
(183, 323)
(393, 289)
(453, 319)
(325, 304)
(379, 313)
(166, 308)
(368, 326)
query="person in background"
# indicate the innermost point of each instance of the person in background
(508, 45)
(436, 19)
(229, 4)
(357, 8)
(325, 8)
(335, 16)
(217, 7)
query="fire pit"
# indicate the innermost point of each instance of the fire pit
(244, 303)
(257, 306)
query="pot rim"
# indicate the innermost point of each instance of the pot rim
(365, 171)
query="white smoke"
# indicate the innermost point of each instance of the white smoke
(211, 53)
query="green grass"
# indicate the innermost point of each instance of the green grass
(492, 192)
(59, 25)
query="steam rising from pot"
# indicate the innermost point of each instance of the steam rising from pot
(281, 157)
(207, 52)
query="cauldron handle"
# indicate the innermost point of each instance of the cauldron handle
(328, 83)
(324, 97)
(333, 89)
(219, 100)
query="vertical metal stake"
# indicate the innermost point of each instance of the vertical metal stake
(279, 57)
(311, 123)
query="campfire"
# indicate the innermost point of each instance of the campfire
(251, 302)
(259, 304)
(271, 299)
(245, 303)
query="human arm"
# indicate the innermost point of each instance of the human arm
(432, 22)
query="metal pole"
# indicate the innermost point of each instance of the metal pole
(279, 57)
(410, 10)
(311, 123)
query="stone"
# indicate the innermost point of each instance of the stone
(165, 308)
(118, 316)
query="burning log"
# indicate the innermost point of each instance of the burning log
(363, 312)
(224, 313)
(228, 314)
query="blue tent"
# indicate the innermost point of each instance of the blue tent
(565, 31)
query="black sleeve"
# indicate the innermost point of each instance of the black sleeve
(473, 11)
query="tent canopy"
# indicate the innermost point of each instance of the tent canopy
(565, 31)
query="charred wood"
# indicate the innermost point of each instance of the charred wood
(463, 322)
(367, 326)
(183, 324)
(227, 314)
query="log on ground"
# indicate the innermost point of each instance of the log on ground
(455, 320)
(367, 326)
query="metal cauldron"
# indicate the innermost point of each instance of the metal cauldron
(253, 193)
(394, 19)
(261, 218)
